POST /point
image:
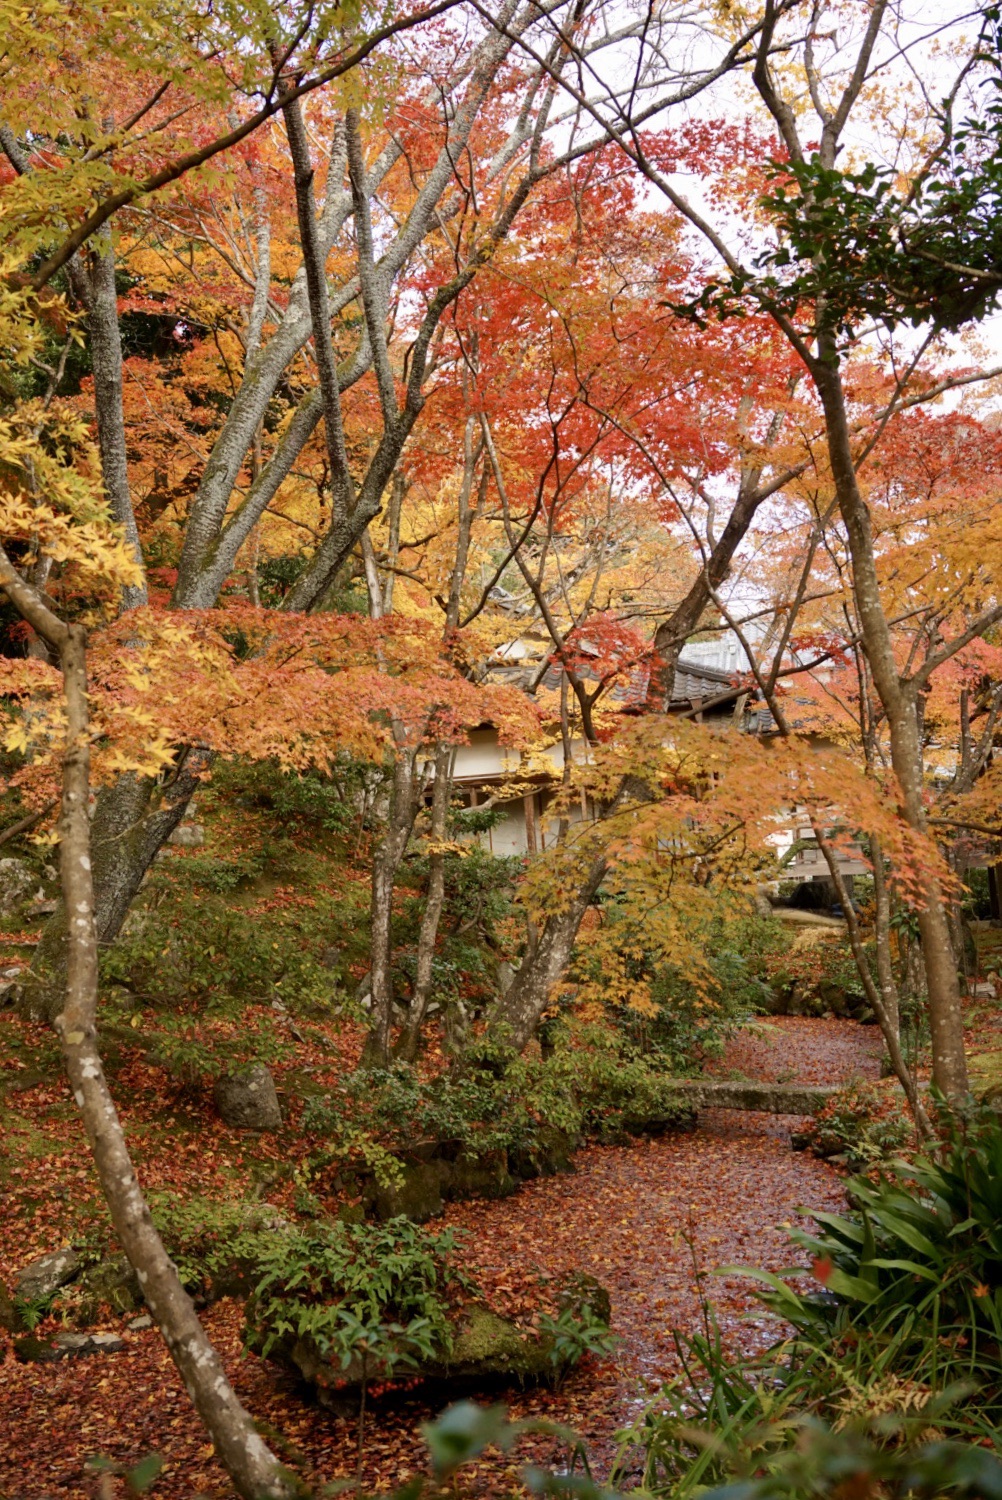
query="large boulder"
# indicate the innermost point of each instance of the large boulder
(17, 882)
(479, 1176)
(486, 1349)
(43, 1277)
(551, 1150)
(246, 1099)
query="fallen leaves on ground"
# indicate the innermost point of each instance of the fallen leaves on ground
(652, 1222)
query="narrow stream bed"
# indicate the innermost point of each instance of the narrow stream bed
(652, 1222)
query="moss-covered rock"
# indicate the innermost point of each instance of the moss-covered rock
(484, 1350)
(550, 1151)
(478, 1176)
(111, 1285)
(662, 1120)
(489, 1348)
(417, 1196)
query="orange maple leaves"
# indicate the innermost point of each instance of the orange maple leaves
(300, 690)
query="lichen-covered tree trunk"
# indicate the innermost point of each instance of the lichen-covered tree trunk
(900, 706)
(432, 914)
(105, 344)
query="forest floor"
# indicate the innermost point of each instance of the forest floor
(651, 1221)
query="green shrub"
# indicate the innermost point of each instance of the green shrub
(213, 873)
(921, 1259)
(397, 1107)
(200, 1233)
(499, 1101)
(193, 1053)
(478, 899)
(299, 800)
(379, 1293)
(820, 1463)
(576, 1331)
(616, 1091)
(189, 951)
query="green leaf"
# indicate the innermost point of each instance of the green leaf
(143, 1475)
(463, 1431)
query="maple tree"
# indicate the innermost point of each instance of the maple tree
(471, 210)
(823, 329)
(367, 385)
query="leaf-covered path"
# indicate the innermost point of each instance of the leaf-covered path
(644, 1220)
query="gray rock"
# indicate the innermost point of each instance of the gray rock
(41, 908)
(8, 985)
(138, 1324)
(188, 836)
(247, 1100)
(69, 1345)
(105, 1343)
(46, 1275)
(17, 882)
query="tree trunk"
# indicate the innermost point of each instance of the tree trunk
(106, 359)
(890, 1031)
(517, 1015)
(901, 711)
(385, 864)
(254, 1470)
(955, 918)
(133, 819)
(882, 932)
(434, 902)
